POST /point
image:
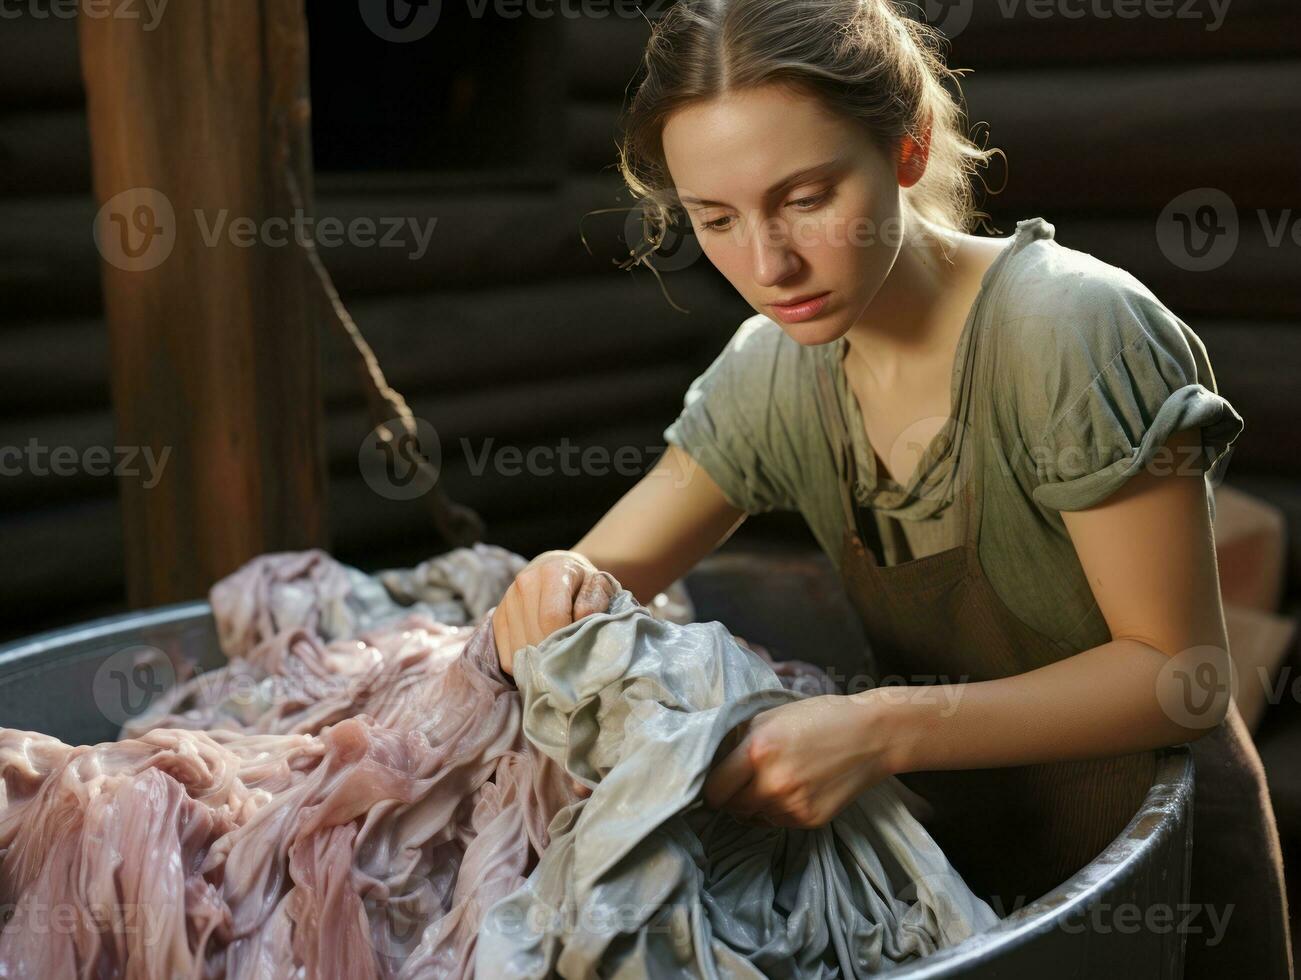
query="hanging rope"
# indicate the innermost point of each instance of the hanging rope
(458, 525)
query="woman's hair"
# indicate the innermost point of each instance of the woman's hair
(865, 60)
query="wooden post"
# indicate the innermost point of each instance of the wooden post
(198, 118)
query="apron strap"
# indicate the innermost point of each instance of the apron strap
(833, 422)
(974, 429)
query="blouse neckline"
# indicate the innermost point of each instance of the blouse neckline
(932, 485)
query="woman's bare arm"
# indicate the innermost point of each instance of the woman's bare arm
(1164, 678)
(662, 527)
(672, 518)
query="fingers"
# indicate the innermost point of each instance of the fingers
(580, 789)
(503, 633)
(561, 582)
(593, 597)
(546, 596)
(730, 777)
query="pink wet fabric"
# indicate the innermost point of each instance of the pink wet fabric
(319, 809)
(347, 798)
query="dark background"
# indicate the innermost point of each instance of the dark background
(509, 329)
(503, 129)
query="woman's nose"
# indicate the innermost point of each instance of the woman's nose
(773, 258)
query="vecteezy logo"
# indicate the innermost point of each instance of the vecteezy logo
(1198, 230)
(677, 250)
(950, 17)
(398, 912)
(129, 680)
(389, 459)
(401, 21)
(909, 454)
(1192, 689)
(136, 230)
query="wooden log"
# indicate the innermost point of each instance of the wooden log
(40, 578)
(548, 411)
(45, 153)
(49, 265)
(634, 381)
(56, 459)
(463, 239)
(1073, 137)
(569, 328)
(63, 459)
(604, 53)
(1255, 367)
(214, 347)
(444, 342)
(48, 261)
(57, 366)
(1131, 139)
(1257, 281)
(39, 67)
(541, 483)
(1062, 32)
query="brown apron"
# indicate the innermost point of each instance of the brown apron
(1015, 833)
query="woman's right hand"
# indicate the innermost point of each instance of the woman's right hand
(553, 590)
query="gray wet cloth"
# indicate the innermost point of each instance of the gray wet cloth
(643, 880)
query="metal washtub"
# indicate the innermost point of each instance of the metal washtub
(71, 683)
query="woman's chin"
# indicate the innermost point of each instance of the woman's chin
(812, 333)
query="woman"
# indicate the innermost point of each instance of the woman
(1006, 446)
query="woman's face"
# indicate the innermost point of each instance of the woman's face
(833, 228)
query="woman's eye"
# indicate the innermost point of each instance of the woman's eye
(810, 202)
(803, 203)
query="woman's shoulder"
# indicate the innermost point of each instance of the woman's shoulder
(1069, 319)
(1074, 298)
(1091, 374)
(746, 418)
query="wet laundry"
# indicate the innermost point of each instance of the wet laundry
(361, 792)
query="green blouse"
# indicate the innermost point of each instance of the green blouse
(1070, 369)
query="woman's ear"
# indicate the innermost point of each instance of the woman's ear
(913, 154)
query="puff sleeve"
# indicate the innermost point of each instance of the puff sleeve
(1121, 375)
(727, 414)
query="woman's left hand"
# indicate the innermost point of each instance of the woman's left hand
(800, 764)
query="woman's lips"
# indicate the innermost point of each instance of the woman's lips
(800, 312)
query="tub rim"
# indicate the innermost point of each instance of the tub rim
(1166, 809)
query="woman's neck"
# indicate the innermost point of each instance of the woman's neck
(922, 306)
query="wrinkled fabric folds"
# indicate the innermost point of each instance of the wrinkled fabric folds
(644, 880)
(360, 785)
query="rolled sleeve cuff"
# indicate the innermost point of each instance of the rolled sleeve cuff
(1187, 407)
